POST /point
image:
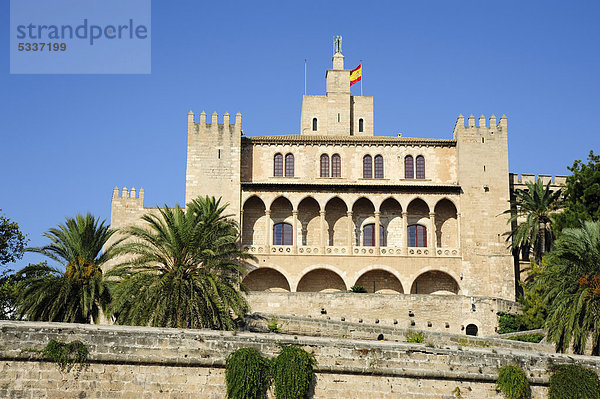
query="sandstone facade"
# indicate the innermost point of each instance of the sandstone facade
(337, 206)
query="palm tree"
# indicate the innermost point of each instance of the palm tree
(76, 294)
(530, 211)
(183, 270)
(570, 282)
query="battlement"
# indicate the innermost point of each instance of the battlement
(517, 179)
(493, 125)
(214, 122)
(128, 194)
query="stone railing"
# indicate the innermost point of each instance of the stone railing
(354, 251)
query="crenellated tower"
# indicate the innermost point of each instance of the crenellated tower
(482, 160)
(213, 159)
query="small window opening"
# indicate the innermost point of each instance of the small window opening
(483, 139)
(339, 119)
(219, 154)
(472, 330)
(314, 126)
(484, 168)
(361, 125)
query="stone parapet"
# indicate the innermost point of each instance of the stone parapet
(158, 362)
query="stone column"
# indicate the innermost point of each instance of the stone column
(350, 230)
(376, 227)
(458, 238)
(405, 226)
(268, 229)
(242, 227)
(323, 231)
(295, 232)
(432, 235)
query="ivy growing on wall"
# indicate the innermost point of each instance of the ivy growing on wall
(293, 372)
(513, 383)
(247, 374)
(66, 355)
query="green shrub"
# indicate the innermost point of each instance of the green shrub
(292, 372)
(247, 374)
(65, 355)
(508, 323)
(512, 382)
(572, 381)
(415, 337)
(535, 338)
(358, 289)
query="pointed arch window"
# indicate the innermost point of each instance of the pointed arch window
(361, 125)
(336, 165)
(367, 167)
(314, 124)
(282, 234)
(417, 235)
(369, 235)
(420, 167)
(378, 167)
(324, 165)
(409, 167)
(278, 165)
(289, 165)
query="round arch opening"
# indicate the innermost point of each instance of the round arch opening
(435, 282)
(266, 279)
(321, 280)
(381, 282)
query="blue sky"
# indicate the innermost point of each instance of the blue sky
(67, 140)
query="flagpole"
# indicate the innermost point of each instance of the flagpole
(361, 74)
(305, 76)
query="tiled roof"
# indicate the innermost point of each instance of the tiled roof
(307, 138)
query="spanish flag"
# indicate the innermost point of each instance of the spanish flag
(356, 74)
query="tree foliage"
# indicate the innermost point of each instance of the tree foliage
(572, 381)
(12, 241)
(570, 285)
(76, 294)
(247, 374)
(293, 372)
(581, 194)
(531, 210)
(183, 270)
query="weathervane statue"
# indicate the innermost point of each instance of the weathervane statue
(337, 44)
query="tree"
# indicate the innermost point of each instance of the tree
(570, 283)
(12, 241)
(581, 194)
(183, 270)
(531, 210)
(76, 294)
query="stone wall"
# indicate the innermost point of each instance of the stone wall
(448, 313)
(135, 362)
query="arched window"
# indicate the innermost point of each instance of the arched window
(367, 167)
(336, 166)
(369, 235)
(282, 234)
(314, 124)
(278, 165)
(289, 165)
(361, 125)
(472, 330)
(420, 167)
(417, 235)
(378, 167)
(409, 167)
(324, 165)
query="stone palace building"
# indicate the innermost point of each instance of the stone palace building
(337, 206)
